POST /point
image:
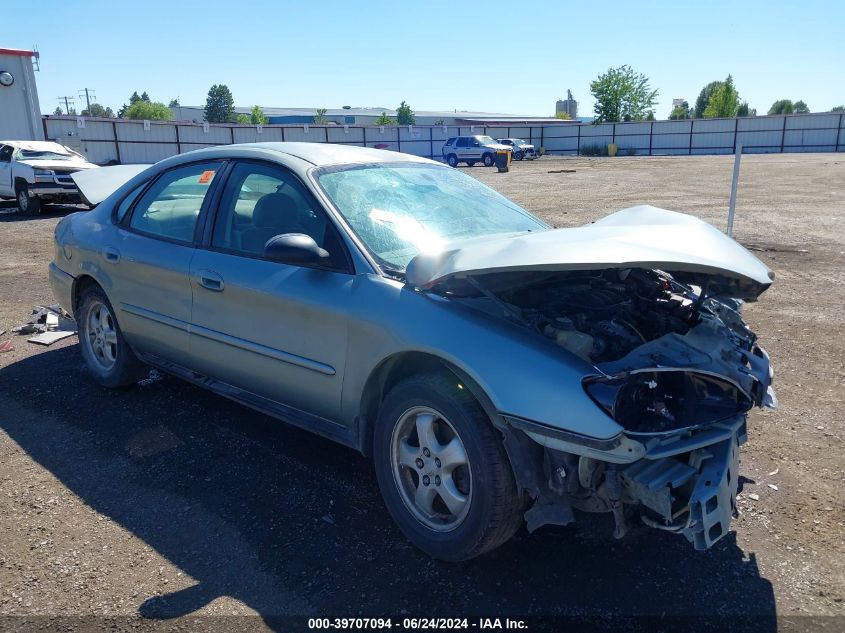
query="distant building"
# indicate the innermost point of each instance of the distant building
(678, 103)
(569, 106)
(368, 116)
(20, 114)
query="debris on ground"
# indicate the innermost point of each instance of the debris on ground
(49, 324)
(48, 338)
(6, 346)
(153, 377)
(754, 496)
(562, 171)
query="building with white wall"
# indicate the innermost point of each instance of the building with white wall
(20, 113)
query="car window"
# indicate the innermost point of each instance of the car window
(6, 153)
(261, 201)
(451, 141)
(126, 203)
(170, 207)
(462, 142)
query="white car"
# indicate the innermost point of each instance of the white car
(38, 172)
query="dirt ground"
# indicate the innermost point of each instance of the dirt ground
(167, 501)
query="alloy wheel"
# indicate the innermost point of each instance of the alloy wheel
(101, 335)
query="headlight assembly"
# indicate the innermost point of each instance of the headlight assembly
(655, 401)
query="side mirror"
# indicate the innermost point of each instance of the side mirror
(294, 248)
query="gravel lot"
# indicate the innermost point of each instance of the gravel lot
(165, 500)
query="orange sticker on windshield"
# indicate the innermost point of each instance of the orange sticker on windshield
(206, 176)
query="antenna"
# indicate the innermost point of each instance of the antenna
(68, 101)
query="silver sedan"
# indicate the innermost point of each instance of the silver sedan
(498, 371)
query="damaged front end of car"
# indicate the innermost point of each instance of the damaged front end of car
(676, 369)
(647, 304)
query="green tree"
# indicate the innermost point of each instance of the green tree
(704, 98)
(242, 119)
(174, 103)
(96, 110)
(801, 108)
(320, 117)
(564, 116)
(782, 106)
(744, 110)
(404, 115)
(838, 109)
(58, 112)
(383, 119)
(219, 105)
(145, 97)
(724, 102)
(622, 94)
(680, 112)
(256, 116)
(147, 110)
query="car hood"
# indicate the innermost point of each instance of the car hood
(638, 237)
(97, 185)
(56, 164)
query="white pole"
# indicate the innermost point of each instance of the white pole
(732, 206)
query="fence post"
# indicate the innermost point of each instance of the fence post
(691, 126)
(734, 183)
(650, 136)
(431, 142)
(838, 133)
(178, 143)
(578, 148)
(117, 144)
(736, 131)
(782, 134)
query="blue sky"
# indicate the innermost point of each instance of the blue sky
(513, 57)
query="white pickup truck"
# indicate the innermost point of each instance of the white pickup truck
(38, 172)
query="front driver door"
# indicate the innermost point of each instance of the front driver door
(273, 329)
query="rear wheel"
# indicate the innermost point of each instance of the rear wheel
(27, 203)
(105, 351)
(452, 160)
(489, 161)
(517, 155)
(442, 469)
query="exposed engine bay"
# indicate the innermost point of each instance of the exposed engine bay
(677, 369)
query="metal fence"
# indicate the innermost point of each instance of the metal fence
(107, 141)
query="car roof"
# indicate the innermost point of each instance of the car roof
(330, 153)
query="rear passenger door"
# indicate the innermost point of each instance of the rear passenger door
(462, 148)
(146, 260)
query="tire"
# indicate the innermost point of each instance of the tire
(107, 355)
(27, 204)
(452, 160)
(484, 510)
(518, 156)
(488, 159)
(470, 163)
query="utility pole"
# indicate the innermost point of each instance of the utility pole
(89, 94)
(68, 101)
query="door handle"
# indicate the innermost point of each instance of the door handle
(210, 280)
(111, 255)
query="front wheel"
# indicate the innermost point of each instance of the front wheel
(489, 161)
(517, 156)
(452, 160)
(442, 469)
(109, 358)
(27, 203)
